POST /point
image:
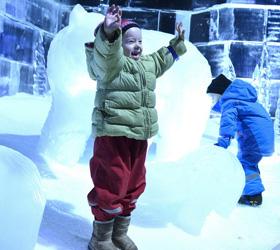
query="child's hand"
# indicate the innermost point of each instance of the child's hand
(112, 20)
(180, 30)
(223, 141)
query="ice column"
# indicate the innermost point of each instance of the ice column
(228, 68)
(277, 126)
(261, 79)
(40, 77)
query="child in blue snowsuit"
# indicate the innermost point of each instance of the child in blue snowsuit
(242, 116)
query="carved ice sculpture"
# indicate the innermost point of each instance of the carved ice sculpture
(21, 201)
(208, 179)
(68, 125)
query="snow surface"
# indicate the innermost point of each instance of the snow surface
(190, 200)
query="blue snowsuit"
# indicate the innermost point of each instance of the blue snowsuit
(242, 116)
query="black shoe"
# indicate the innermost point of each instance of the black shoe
(251, 200)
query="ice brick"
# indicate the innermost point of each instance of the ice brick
(43, 14)
(5, 68)
(199, 27)
(273, 26)
(161, 4)
(248, 24)
(83, 2)
(203, 4)
(167, 22)
(147, 19)
(274, 96)
(273, 58)
(244, 56)
(17, 41)
(214, 55)
(26, 79)
(117, 2)
(242, 24)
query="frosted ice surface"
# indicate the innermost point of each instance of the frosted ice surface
(68, 125)
(21, 201)
(182, 103)
(207, 179)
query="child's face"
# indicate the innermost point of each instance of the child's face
(215, 98)
(132, 43)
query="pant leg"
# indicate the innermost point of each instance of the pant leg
(118, 173)
(137, 181)
(253, 183)
(110, 173)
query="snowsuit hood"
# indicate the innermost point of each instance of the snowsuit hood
(240, 90)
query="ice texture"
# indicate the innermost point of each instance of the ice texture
(68, 125)
(207, 179)
(22, 201)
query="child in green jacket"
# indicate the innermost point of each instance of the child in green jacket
(123, 119)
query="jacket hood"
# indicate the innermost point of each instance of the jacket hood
(240, 90)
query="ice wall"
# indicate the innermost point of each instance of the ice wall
(26, 29)
(247, 34)
(27, 26)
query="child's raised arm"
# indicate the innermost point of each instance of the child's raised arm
(112, 21)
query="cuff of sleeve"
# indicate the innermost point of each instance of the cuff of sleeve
(178, 45)
(173, 53)
(104, 46)
(89, 45)
(223, 141)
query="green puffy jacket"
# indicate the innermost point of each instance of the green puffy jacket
(125, 99)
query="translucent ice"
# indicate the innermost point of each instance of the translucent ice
(208, 179)
(68, 125)
(21, 201)
(182, 104)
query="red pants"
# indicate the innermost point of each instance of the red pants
(118, 172)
